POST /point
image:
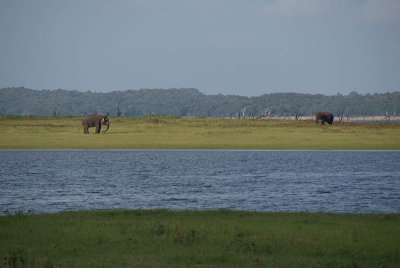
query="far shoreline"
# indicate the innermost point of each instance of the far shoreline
(211, 150)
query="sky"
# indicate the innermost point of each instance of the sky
(234, 47)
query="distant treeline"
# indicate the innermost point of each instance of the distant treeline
(191, 102)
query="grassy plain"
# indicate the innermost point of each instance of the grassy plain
(222, 238)
(161, 132)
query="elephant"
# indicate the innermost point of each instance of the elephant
(95, 120)
(324, 117)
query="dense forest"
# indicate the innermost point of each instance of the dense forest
(190, 102)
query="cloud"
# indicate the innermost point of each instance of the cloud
(380, 10)
(297, 8)
(370, 11)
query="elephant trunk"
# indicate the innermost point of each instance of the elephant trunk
(108, 125)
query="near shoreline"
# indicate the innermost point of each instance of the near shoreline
(221, 238)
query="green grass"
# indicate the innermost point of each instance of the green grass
(161, 132)
(223, 238)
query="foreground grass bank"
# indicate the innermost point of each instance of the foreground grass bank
(142, 238)
(161, 132)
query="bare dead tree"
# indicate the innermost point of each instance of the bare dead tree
(201, 114)
(266, 111)
(296, 115)
(348, 116)
(387, 116)
(243, 111)
(55, 110)
(341, 116)
(118, 111)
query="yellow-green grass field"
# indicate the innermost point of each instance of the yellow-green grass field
(163, 132)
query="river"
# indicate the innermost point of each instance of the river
(43, 181)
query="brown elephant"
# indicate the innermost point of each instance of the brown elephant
(324, 117)
(95, 120)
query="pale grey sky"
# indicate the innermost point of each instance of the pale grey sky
(231, 47)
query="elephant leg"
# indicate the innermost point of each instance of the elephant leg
(85, 130)
(322, 122)
(98, 127)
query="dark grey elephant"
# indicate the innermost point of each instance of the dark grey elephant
(95, 120)
(324, 117)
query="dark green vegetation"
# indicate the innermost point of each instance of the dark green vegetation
(191, 102)
(167, 132)
(142, 238)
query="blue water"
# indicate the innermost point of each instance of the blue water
(325, 181)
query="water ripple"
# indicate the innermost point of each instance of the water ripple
(346, 181)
